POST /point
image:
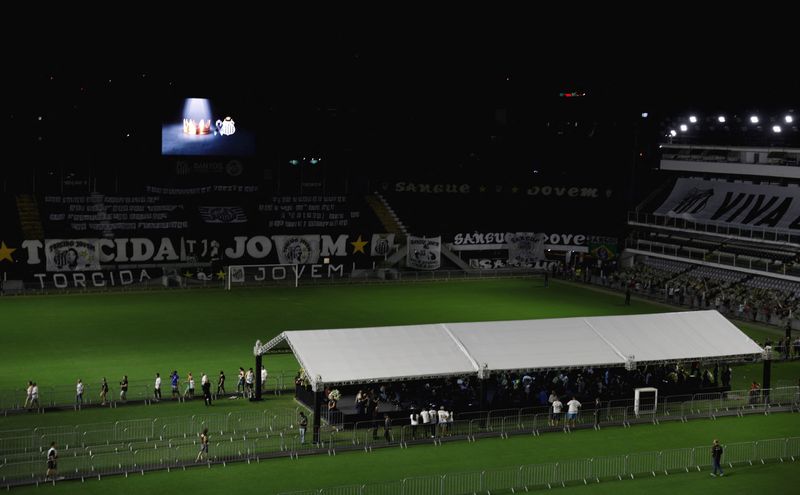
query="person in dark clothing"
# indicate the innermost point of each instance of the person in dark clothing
(387, 428)
(627, 296)
(716, 456)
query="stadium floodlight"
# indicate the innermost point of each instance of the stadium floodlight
(721, 119)
(673, 132)
(788, 119)
(754, 119)
(692, 119)
(776, 129)
(644, 115)
(684, 127)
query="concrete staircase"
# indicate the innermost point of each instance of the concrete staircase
(389, 219)
(30, 220)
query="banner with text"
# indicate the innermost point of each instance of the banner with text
(737, 204)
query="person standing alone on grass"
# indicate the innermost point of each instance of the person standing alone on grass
(716, 456)
(387, 428)
(203, 446)
(221, 383)
(157, 388)
(302, 424)
(263, 378)
(79, 393)
(52, 462)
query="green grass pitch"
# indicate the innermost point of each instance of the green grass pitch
(57, 339)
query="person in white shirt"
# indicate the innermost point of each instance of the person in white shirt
(556, 414)
(414, 423)
(426, 419)
(157, 388)
(79, 393)
(443, 418)
(263, 378)
(52, 462)
(434, 420)
(34, 396)
(28, 397)
(572, 410)
(249, 378)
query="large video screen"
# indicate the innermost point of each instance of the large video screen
(200, 126)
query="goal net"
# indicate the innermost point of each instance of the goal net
(257, 275)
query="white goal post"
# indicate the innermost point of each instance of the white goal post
(243, 275)
(645, 400)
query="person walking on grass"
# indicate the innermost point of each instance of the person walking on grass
(29, 396)
(716, 457)
(52, 462)
(123, 389)
(203, 446)
(175, 382)
(157, 388)
(103, 391)
(221, 383)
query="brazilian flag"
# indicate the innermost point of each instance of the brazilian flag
(605, 251)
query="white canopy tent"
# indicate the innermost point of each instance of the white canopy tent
(358, 355)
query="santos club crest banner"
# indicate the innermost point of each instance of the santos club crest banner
(734, 203)
(382, 244)
(424, 253)
(525, 248)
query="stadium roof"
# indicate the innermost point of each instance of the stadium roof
(359, 355)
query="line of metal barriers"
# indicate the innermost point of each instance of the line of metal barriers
(140, 445)
(552, 474)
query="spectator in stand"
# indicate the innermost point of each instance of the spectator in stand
(387, 428)
(443, 417)
(434, 415)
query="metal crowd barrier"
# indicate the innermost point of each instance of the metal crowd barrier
(121, 447)
(575, 471)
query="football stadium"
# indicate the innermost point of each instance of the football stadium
(403, 272)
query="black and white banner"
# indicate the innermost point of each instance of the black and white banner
(765, 206)
(525, 248)
(222, 214)
(71, 255)
(382, 244)
(297, 249)
(424, 253)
